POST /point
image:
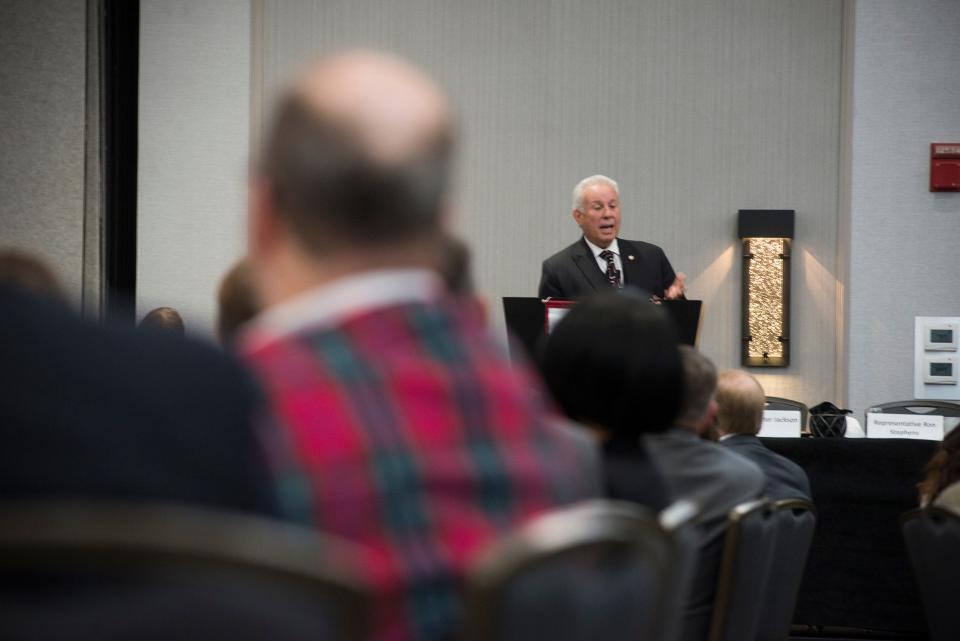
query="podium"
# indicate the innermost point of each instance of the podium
(526, 321)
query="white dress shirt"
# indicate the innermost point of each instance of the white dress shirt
(333, 303)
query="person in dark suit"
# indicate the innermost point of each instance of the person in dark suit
(91, 412)
(714, 477)
(601, 260)
(740, 401)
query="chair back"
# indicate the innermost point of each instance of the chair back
(921, 407)
(777, 403)
(744, 569)
(794, 523)
(596, 570)
(679, 521)
(932, 535)
(83, 570)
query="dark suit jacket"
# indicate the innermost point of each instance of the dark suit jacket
(573, 273)
(630, 475)
(784, 478)
(718, 480)
(92, 412)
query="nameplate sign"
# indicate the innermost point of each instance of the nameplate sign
(927, 428)
(780, 424)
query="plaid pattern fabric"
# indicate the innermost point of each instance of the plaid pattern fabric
(411, 434)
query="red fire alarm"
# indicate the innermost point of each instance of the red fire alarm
(945, 166)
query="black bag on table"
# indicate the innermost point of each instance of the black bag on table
(828, 421)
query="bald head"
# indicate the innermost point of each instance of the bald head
(392, 110)
(741, 400)
(358, 153)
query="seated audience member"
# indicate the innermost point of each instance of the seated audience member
(412, 433)
(712, 476)
(454, 266)
(27, 272)
(164, 319)
(237, 302)
(740, 401)
(99, 412)
(612, 364)
(942, 470)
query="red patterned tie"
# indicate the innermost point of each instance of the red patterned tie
(613, 274)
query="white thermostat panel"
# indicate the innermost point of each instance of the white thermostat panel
(940, 370)
(941, 337)
(936, 355)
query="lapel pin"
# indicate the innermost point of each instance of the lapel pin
(630, 257)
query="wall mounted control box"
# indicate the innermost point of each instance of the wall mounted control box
(941, 337)
(936, 355)
(940, 370)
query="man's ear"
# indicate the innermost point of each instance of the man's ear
(709, 418)
(577, 216)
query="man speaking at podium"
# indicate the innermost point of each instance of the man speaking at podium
(600, 260)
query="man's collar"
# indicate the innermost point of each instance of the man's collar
(332, 303)
(614, 247)
(738, 435)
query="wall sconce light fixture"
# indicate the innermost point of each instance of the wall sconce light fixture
(766, 235)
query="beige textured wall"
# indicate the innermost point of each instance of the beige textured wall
(697, 108)
(903, 251)
(42, 132)
(194, 128)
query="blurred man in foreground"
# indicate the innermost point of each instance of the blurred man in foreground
(95, 412)
(411, 434)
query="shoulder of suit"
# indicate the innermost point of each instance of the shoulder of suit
(564, 254)
(742, 440)
(638, 246)
(748, 472)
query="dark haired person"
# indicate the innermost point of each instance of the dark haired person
(942, 470)
(237, 302)
(164, 319)
(714, 477)
(30, 273)
(413, 434)
(612, 365)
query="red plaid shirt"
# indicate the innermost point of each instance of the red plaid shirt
(412, 435)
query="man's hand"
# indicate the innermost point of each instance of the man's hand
(677, 289)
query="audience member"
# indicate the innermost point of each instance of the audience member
(741, 400)
(454, 266)
(103, 412)
(237, 302)
(712, 476)
(164, 319)
(25, 271)
(612, 364)
(413, 434)
(942, 470)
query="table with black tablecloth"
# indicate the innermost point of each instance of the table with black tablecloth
(858, 574)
